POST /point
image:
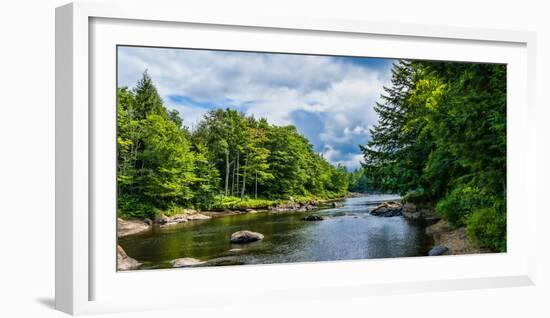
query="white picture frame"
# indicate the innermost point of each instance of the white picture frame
(86, 280)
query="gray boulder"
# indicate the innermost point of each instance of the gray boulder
(242, 237)
(125, 262)
(131, 227)
(438, 250)
(387, 209)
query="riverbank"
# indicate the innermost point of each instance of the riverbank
(135, 226)
(452, 241)
(231, 206)
(447, 239)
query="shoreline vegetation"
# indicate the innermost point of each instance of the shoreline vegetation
(440, 143)
(131, 226)
(228, 161)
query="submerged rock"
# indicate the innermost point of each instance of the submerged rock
(387, 209)
(185, 262)
(438, 250)
(241, 237)
(125, 262)
(313, 218)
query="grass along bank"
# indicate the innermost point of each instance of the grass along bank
(129, 225)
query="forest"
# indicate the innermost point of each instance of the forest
(441, 141)
(228, 161)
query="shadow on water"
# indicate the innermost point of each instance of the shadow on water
(349, 232)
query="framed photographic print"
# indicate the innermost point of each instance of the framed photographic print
(236, 154)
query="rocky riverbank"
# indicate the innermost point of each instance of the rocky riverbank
(409, 211)
(131, 227)
(134, 226)
(425, 215)
(447, 239)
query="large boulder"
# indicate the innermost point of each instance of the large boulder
(125, 262)
(438, 250)
(387, 209)
(130, 227)
(313, 218)
(242, 237)
(185, 262)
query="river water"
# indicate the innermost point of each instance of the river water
(350, 232)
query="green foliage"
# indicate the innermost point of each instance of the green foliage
(461, 201)
(441, 137)
(358, 181)
(165, 166)
(236, 203)
(131, 207)
(417, 197)
(206, 180)
(228, 159)
(487, 228)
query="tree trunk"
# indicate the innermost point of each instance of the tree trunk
(235, 166)
(244, 176)
(236, 175)
(227, 164)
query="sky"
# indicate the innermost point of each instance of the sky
(330, 99)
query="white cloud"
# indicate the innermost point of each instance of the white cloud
(339, 93)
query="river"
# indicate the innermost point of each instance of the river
(349, 232)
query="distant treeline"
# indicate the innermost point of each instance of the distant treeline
(163, 165)
(441, 140)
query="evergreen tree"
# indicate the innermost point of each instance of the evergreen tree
(399, 146)
(148, 101)
(441, 136)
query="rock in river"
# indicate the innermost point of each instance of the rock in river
(313, 218)
(130, 227)
(387, 209)
(185, 262)
(438, 250)
(125, 262)
(241, 237)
